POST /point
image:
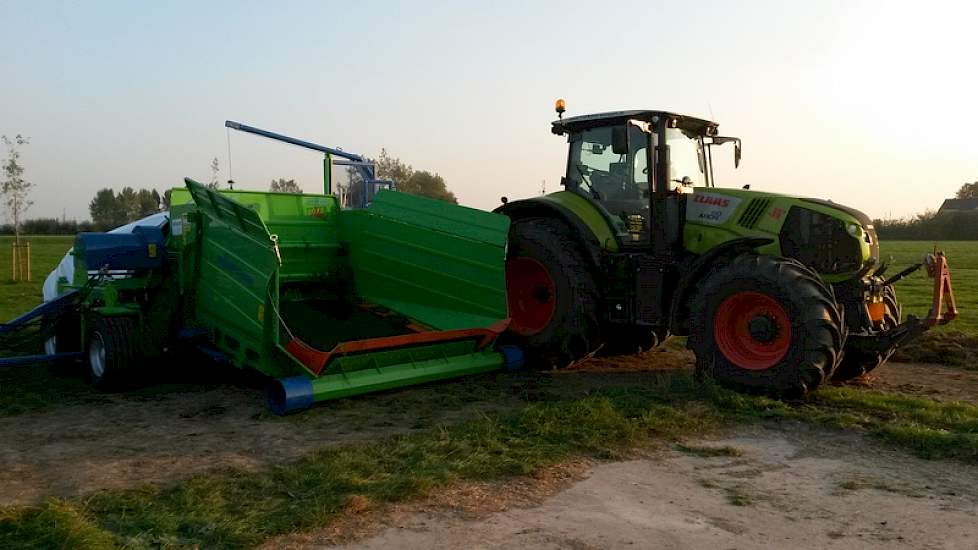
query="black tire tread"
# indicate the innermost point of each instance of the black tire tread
(121, 348)
(817, 323)
(574, 332)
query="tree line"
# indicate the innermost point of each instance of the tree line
(929, 226)
(109, 209)
(407, 180)
(954, 225)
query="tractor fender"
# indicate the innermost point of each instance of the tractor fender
(699, 268)
(540, 208)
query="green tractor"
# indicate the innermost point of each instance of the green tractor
(776, 293)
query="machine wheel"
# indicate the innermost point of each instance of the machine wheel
(553, 297)
(856, 363)
(66, 335)
(632, 339)
(111, 349)
(768, 324)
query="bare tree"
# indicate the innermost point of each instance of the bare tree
(283, 185)
(215, 174)
(14, 188)
(968, 191)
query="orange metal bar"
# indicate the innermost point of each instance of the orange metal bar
(937, 269)
(316, 360)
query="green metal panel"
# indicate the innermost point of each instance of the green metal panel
(236, 280)
(305, 226)
(435, 262)
(587, 213)
(393, 375)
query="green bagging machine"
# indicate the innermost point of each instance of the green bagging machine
(327, 302)
(337, 302)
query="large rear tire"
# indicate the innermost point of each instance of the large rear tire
(552, 293)
(766, 324)
(856, 362)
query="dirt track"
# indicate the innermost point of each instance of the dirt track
(791, 488)
(793, 481)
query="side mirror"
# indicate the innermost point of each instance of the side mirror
(720, 140)
(619, 140)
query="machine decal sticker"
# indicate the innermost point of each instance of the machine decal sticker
(710, 209)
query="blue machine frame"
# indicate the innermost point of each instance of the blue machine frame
(363, 166)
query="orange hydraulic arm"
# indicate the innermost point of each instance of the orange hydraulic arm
(937, 269)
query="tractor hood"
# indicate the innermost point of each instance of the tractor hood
(863, 218)
(836, 240)
(857, 215)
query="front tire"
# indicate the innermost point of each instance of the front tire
(767, 324)
(552, 294)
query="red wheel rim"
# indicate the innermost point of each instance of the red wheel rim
(531, 294)
(752, 330)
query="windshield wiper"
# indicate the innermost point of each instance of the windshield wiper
(590, 189)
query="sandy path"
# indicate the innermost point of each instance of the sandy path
(796, 488)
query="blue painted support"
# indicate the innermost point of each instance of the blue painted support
(358, 162)
(51, 307)
(513, 356)
(288, 395)
(40, 359)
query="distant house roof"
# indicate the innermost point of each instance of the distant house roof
(958, 204)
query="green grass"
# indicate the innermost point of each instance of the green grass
(915, 292)
(956, 343)
(233, 508)
(19, 297)
(929, 429)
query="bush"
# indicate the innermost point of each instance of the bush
(47, 226)
(930, 226)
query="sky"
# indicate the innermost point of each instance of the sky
(866, 103)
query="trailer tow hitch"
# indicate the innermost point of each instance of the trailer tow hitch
(937, 269)
(886, 341)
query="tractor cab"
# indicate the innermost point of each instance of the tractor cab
(616, 159)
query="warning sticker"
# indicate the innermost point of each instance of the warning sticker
(710, 208)
(315, 206)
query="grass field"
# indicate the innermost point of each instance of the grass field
(914, 291)
(46, 252)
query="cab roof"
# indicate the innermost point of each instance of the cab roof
(583, 122)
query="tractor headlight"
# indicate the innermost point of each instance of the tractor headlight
(855, 230)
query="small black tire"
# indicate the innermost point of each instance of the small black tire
(571, 331)
(793, 326)
(65, 336)
(857, 362)
(111, 350)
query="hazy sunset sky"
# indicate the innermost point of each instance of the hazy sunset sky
(869, 104)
